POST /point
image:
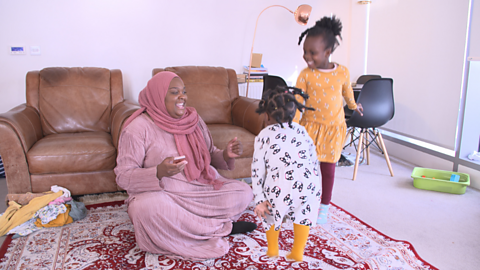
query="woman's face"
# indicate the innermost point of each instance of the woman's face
(314, 53)
(176, 98)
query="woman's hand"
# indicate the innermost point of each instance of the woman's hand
(359, 109)
(234, 149)
(169, 168)
(262, 208)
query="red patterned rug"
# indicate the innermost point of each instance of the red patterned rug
(105, 240)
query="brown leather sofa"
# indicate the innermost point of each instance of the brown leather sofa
(67, 132)
(213, 92)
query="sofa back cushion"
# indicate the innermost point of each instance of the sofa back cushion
(74, 100)
(210, 90)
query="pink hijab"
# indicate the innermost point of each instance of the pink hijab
(188, 136)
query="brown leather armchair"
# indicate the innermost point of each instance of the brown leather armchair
(213, 92)
(67, 132)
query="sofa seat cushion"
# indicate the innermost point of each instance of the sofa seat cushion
(223, 133)
(72, 152)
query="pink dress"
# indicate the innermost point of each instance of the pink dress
(172, 216)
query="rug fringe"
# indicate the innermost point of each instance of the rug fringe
(103, 198)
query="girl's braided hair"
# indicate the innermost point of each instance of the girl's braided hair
(329, 28)
(281, 105)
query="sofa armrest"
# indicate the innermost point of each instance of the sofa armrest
(25, 122)
(120, 113)
(244, 115)
(20, 129)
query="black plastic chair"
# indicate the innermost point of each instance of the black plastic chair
(361, 80)
(272, 81)
(365, 78)
(378, 104)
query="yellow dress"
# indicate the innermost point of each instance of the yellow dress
(326, 125)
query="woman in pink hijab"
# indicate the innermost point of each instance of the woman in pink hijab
(182, 209)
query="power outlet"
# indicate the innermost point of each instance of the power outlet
(35, 50)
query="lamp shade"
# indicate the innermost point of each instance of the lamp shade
(302, 14)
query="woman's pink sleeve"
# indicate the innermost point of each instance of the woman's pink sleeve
(216, 154)
(131, 176)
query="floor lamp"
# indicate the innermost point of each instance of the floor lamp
(301, 15)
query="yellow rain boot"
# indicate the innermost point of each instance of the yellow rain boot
(272, 242)
(300, 236)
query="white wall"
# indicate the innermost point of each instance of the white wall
(137, 36)
(421, 45)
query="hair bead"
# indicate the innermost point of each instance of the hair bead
(280, 103)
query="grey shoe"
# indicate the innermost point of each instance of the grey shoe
(344, 162)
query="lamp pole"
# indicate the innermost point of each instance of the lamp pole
(301, 15)
(253, 42)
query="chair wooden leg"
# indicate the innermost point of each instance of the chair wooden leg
(375, 132)
(350, 135)
(367, 147)
(346, 138)
(357, 158)
(387, 159)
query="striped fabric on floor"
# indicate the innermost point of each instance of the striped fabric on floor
(2, 169)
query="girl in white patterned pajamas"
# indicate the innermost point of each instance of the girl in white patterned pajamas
(285, 178)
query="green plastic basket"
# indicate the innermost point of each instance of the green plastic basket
(438, 180)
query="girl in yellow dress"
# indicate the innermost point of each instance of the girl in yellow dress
(326, 83)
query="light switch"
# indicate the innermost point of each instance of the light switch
(16, 50)
(35, 50)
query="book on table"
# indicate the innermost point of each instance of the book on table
(260, 70)
(256, 74)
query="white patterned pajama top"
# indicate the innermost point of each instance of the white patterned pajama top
(285, 172)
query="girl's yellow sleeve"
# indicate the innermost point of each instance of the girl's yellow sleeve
(347, 91)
